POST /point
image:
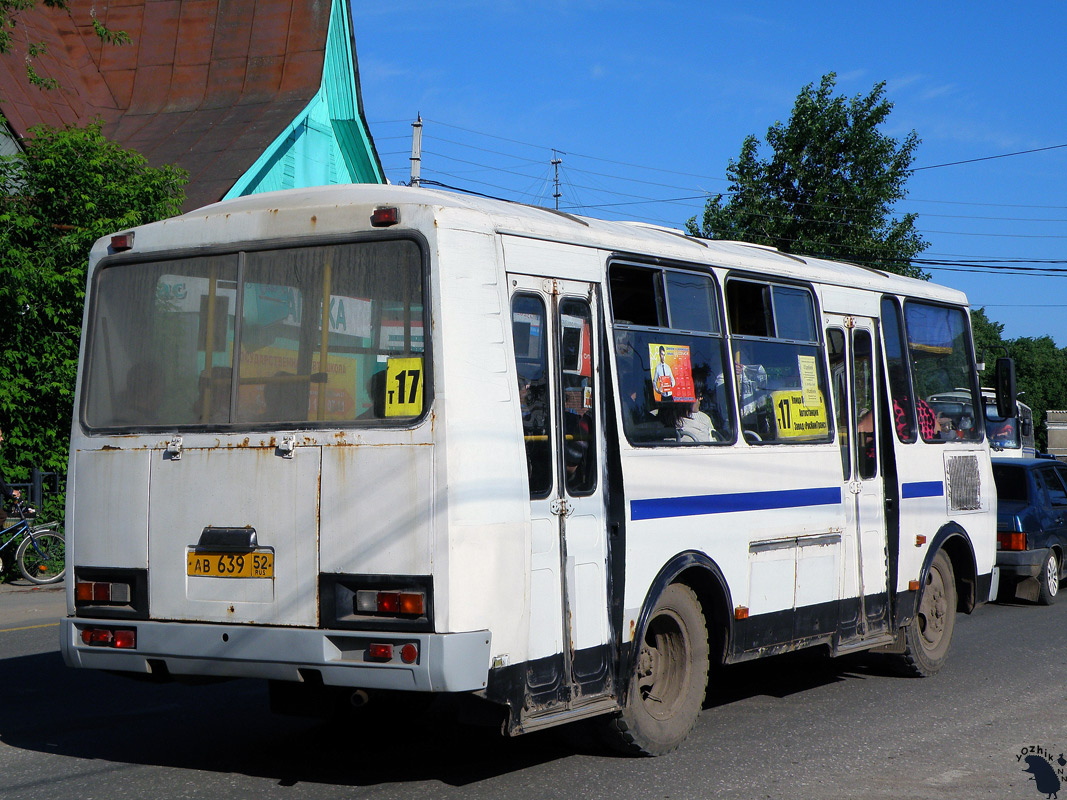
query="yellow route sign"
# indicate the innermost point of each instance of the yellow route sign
(403, 387)
(797, 418)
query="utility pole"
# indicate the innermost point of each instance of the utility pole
(556, 161)
(416, 151)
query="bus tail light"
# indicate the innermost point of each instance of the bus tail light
(412, 604)
(121, 638)
(384, 217)
(380, 652)
(101, 592)
(1011, 540)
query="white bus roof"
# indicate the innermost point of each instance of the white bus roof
(333, 209)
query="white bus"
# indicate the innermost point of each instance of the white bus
(365, 440)
(1009, 436)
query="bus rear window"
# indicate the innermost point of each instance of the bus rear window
(309, 337)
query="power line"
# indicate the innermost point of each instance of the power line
(990, 158)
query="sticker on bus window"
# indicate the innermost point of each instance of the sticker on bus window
(796, 417)
(809, 379)
(403, 387)
(672, 373)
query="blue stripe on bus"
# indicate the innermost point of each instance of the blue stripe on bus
(922, 489)
(663, 507)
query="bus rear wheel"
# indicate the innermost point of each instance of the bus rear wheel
(669, 679)
(929, 634)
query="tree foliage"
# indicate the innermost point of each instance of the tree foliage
(828, 187)
(1040, 368)
(70, 187)
(1041, 374)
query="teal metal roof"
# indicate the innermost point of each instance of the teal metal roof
(329, 141)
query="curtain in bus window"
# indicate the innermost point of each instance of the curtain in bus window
(941, 362)
(161, 343)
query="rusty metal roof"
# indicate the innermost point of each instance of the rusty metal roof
(204, 84)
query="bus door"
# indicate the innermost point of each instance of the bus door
(555, 331)
(864, 496)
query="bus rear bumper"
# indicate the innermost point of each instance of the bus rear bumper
(442, 662)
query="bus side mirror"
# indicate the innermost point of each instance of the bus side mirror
(1026, 428)
(1005, 388)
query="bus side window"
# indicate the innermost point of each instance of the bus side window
(899, 385)
(941, 359)
(668, 350)
(835, 343)
(779, 370)
(531, 363)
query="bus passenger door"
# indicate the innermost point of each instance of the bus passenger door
(555, 330)
(859, 423)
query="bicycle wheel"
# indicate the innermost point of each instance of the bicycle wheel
(42, 557)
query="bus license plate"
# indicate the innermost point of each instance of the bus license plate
(230, 565)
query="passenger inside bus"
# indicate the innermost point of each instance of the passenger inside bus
(376, 393)
(139, 403)
(213, 403)
(693, 424)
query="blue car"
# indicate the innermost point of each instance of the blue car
(1031, 527)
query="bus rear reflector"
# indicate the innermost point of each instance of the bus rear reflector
(409, 653)
(1011, 540)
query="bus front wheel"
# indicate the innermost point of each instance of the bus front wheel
(669, 679)
(929, 634)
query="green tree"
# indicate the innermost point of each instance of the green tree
(827, 189)
(989, 343)
(1041, 374)
(70, 187)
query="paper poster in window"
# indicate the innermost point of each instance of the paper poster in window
(809, 380)
(672, 373)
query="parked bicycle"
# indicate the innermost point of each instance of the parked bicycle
(41, 550)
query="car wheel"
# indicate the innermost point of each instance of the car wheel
(1049, 579)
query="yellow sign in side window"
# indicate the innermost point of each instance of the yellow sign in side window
(797, 418)
(403, 387)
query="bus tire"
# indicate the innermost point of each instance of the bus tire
(1049, 580)
(669, 679)
(929, 634)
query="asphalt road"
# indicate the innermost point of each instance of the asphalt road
(794, 727)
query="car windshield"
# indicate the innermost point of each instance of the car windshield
(1010, 481)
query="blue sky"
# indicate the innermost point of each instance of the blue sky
(646, 103)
